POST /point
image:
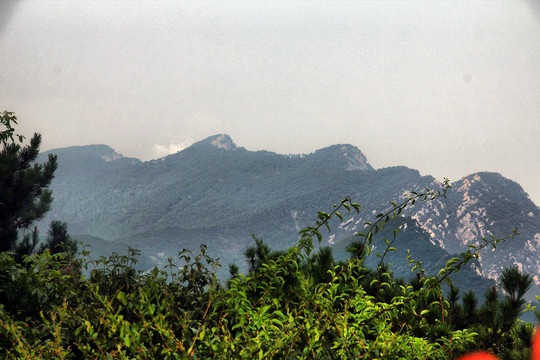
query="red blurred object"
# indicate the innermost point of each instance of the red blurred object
(482, 355)
(535, 347)
(479, 355)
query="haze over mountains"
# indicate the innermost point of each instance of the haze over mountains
(217, 193)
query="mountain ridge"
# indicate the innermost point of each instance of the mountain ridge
(225, 142)
(220, 194)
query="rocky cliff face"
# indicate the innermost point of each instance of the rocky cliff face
(219, 141)
(223, 141)
(479, 206)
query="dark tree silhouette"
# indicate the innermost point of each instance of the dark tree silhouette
(58, 239)
(24, 197)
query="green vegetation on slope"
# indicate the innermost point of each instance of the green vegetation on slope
(283, 308)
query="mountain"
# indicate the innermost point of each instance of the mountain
(217, 193)
(483, 205)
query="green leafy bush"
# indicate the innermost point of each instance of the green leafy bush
(297, 303)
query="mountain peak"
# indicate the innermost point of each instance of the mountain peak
(487, 180)
(220, 141)
(354, 158)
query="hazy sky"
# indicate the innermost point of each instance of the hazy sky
(449, 88)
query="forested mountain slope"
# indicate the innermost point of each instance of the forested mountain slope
(219, 194)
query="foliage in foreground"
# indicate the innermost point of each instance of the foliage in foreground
(292, 304)
(24, 195)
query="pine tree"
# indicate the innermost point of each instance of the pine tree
(515, 284)
(24, 197)
(470, 311)
(455, 311)
(320, 263)
(256, 255)
(58, 239)
(27, 245)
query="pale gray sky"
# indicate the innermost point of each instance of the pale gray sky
(449, 88)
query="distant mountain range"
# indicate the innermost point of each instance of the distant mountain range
(216, 193)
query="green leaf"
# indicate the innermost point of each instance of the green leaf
(122, 297)
(451, 262)
(279, 313)
(369, 237)
(442, 272)
(264, 310)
